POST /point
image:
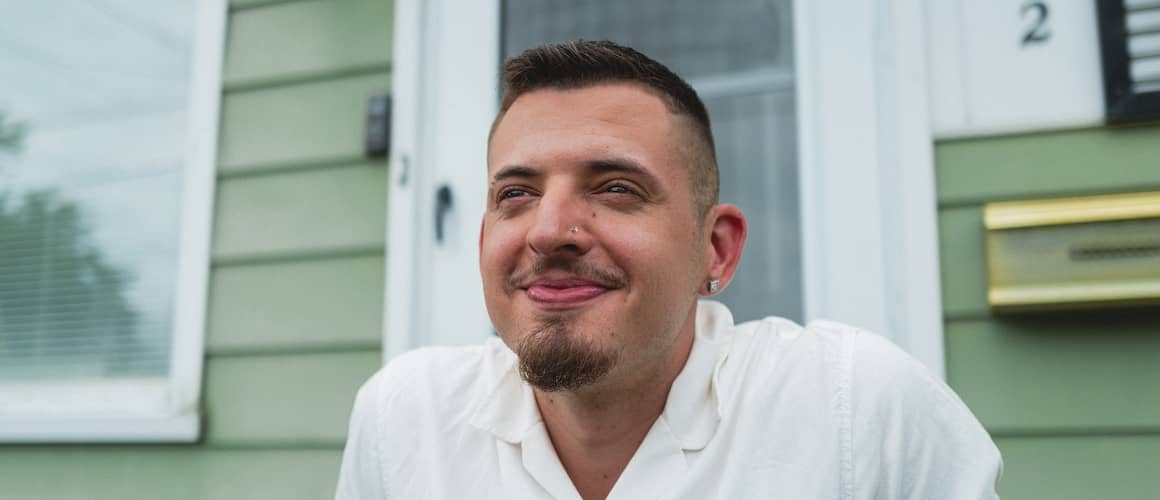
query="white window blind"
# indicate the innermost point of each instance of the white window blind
(1143, 26)
(107, 118)
(1130, 51)
(69, 306)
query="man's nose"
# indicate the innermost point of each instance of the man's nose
(560, 225)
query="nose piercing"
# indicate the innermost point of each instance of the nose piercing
(574, 229)
(714, 285)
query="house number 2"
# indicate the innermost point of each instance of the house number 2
(1037, 31)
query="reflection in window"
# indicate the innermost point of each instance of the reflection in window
(93, 110)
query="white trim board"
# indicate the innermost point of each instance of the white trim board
(869, 212)
(188, 349)
(986, 79)
(119, 429)
(403, 176)
(445, 70)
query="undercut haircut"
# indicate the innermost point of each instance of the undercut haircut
(581, 64)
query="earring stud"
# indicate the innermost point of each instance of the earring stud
(714, 285)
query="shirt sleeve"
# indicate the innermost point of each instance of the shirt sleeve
(913, 437)
(361, 474)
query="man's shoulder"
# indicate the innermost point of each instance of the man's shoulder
(875, 368)
(883, 399)
(827, 341)
(899, 407)
(880, 372)
(872, 357)
(435, 378)
(845, 359)
(775, 343)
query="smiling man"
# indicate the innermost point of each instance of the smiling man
(611, 379)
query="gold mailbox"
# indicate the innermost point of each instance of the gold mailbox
(1073, 252)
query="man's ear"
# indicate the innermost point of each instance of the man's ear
(726, 229)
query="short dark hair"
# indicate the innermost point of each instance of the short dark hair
(580, 64)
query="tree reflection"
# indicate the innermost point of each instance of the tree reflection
(63, 308)
(11, 134)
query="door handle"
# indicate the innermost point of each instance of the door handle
(443, 204)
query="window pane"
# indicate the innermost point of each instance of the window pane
(692, 37)
(739, 56)
(93, 109)
(757, 154)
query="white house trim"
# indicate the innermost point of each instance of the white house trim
(869, 212)
(403, 177)
(155, 428)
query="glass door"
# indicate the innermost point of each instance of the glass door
(822, 133)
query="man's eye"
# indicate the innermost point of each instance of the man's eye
(619, 189)
(512, 193)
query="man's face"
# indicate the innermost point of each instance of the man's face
(590, 251)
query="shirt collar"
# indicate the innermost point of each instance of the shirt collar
(693, 409)
(508, 409)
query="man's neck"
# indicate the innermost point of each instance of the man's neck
(596, 431)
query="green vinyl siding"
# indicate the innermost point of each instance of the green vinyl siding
(238, 5)
(1071, 374)
(298, 305)
(1080, 467)
(961, 243)
(164, 472)
(294, 320)
(295, 313)
(307, 40)
(334, 208)
(1048, 164)
(284, 399)
(1068, 396)
(304, 124)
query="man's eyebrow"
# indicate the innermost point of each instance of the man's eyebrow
(621, 165)
(520, 171)
(600, 166)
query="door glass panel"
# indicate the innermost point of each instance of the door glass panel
(94, 101)
(739, 57)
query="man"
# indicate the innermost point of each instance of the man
(610, 379)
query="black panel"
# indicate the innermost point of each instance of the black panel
(1123, 104)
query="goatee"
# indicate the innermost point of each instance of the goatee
(553, 359)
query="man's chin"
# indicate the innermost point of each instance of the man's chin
(553, 358)
(557, 379)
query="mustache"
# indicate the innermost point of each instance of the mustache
(609, 278)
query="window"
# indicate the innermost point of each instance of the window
(107, 137)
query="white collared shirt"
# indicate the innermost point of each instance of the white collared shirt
(765, 409)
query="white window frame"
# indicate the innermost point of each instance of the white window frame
(148, 410)
(868, 201)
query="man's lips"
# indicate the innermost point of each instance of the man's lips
(563, 292)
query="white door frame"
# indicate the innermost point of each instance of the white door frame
(869, 207)
(868, 204)
(444, 70)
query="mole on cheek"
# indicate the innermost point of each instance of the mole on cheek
(593, 215)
